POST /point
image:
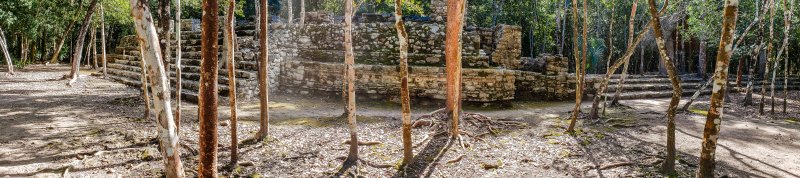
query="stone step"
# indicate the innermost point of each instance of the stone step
(654, 80)
(633, 76)
(654, 94)
(652, 87)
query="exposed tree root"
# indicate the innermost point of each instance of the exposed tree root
(364, 143)
(365, 162)
(616, 165)
(457, 159)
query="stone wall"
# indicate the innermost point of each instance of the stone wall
(307, 59)
(483, 85)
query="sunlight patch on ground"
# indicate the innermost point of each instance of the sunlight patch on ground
(272, 105)
(699, 111)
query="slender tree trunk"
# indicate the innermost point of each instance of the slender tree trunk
(578, 68)
(455, 19)
(76, 57)
(696, 94)
(57, 50)
(168, 137)
(711, 131)
(769, 57)
(178, 68)
(229, 49)
(669, 164)
(290, 12)
(564, 28)
(88, 56)
(302, 13)
(608, 60)
(701, 59)
(4, 47)
(263, 69)
(558, 28)
(756, 55)
(788, 16)
(163, 23)
(94, 48)
(350, 76)
(103, 39)
(405, 98)
(143, 79)
(208, 95)
(741, 38)
(615, 100)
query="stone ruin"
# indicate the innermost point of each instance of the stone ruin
(309, 59)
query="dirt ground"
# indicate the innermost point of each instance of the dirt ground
(96, 129)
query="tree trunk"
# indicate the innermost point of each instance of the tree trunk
(578, 68)
(208, 95)
(163, 23)
(787, 15)
(168, 137)
(302, 13)
(711, 131)
(94, 48)
(741, 38)
(455, 19)
(755, 57)
(89, 45)
(608, 60)
(290, 12)
(263, 69)
(76, 57)
(178, 68)
(701, 59)
(615, 100)
(563, 29)
(558, 28)
(695, 95)
(669, 164)
(57, 50)
(350, 77)
(4, 47)
(405, 98)
(143, 79)
(103, 39)
(769, 57)
(230, 40)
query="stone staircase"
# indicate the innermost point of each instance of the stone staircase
(124, 66)
(659, 86)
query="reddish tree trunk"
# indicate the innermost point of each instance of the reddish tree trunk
(455, 19)
(208, 98)
(713, 120)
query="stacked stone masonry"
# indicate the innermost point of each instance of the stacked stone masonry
(305, 59)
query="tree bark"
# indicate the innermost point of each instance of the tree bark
(103, 38)
(608, 60)
(769, 57)
(787, 16)
(350, 76)
(669, 164)
(143, 80)
(711, 131)
(696, 94)
(168, 137)
(405, 98)
(4, 47)
(578, 68)
(263, 69)
(163, 23)
(302, 13)
(290, 11)
(94, 48)
(755, 57)
(76, 57)
(701, 59)
(455, 19)
(229, 49)
(57, 50)
(178, 68)
(208, 94)
(615, 100)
